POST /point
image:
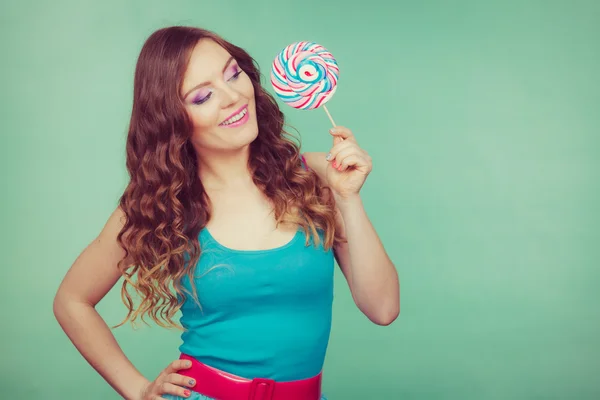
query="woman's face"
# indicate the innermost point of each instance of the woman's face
(219, 98)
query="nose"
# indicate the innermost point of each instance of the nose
(230, 96)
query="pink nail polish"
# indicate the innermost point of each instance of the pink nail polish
(334, 164)
(186, 392)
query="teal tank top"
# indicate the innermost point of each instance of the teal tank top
(265, 313)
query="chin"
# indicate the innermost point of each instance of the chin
(252, 132)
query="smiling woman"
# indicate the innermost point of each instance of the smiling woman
(223, 99)
(210, 225)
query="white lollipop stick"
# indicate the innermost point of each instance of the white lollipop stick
(329, 115)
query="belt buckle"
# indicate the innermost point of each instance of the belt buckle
(257, 384)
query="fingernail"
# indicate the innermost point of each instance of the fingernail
(192, 382)
(188, 364)
(186, 392)
(328, 157)
(334, 164)
(332, 130)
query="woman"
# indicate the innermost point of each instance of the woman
(225, 221)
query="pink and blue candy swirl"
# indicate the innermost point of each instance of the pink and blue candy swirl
(304, 75)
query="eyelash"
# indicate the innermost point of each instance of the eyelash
(208, 96)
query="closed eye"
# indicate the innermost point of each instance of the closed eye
(235, 76)
(202, 99)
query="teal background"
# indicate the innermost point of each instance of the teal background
(482, 118)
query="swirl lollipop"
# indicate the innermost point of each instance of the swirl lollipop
(304, 75)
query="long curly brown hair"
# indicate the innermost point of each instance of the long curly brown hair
(165, 203)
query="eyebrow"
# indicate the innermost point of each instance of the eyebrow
(207, 83)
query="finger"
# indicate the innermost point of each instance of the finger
(342, 133)
(181, 380)
(342, 155)
(337, 139)
(169, 388)
(177, 365)
(355, 161)
(344, 151)
(336, 149)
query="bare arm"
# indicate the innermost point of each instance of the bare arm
(371, 275)
(88, 280)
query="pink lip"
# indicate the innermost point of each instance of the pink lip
(242, 121)
(234, 113)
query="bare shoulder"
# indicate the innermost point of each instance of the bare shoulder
(316, 161)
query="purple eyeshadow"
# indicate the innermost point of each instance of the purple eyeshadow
(233, 70)
(201, 95)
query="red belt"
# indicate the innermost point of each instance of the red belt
(222, 385)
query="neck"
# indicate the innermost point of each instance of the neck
(224, 169)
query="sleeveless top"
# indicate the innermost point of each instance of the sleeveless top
(265, 313)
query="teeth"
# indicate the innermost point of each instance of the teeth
(235, 118)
